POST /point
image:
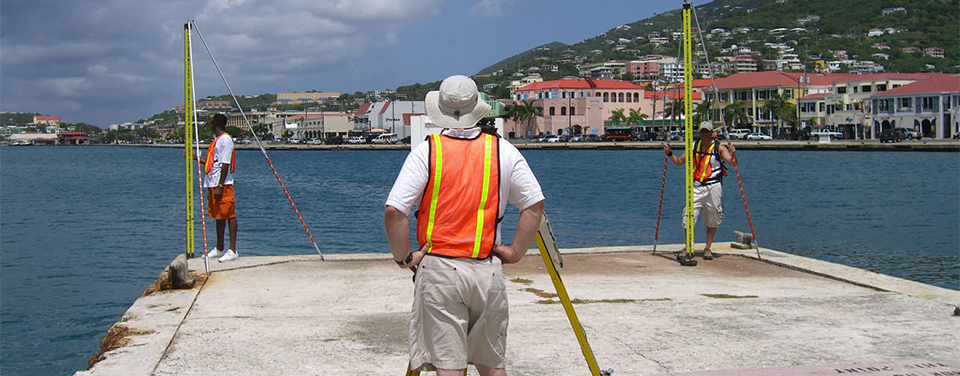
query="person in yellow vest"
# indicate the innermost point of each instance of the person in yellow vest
(218, 167)
(461, 180)
(708, 176)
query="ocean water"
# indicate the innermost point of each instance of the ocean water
(84, 230)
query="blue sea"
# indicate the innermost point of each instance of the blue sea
(84, 230)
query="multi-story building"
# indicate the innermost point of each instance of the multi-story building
(848, 103)
(299, 97)
(752, 90)
(516, 84)
(387, 116)
(743, 64)
(575, 105)
(614, 68)
(930, 106)
(46, 120)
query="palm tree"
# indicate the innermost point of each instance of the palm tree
(735, 115)
(775, 106)
(675, 110)
(702, 112)
(636, 116)
(617, 116)
(526, 112)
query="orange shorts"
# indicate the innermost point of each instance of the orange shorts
(222, 208)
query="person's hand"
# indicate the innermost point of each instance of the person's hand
(418, 255)
(730, 147)
(218, 193)
(666, 150)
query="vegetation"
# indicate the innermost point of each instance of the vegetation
(526, 112)
(842, 26)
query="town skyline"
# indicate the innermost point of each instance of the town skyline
(123, 61)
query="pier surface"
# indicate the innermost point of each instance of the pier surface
(643, 315)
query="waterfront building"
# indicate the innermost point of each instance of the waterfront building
(848, 103)
(576, 105)
(930, 106)
(387, 116)
(752, 90)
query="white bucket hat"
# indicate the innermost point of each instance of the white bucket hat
(457, 104)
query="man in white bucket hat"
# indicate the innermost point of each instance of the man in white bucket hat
(461, 180)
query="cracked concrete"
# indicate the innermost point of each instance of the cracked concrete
(642, 315)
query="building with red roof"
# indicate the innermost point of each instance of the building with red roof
(578, 105)
(47, 120)
(848, 102)
(930, 106)
(72, 138)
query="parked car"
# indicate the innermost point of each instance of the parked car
(738, 134)
(334, 140)
(908, 134)
(816, 135)
(758, 137)
(386, 138)
(646, 136)
(565, 138)
(551, 138)
(676, 135)
(357, 140)
(591, 138)
(889, 135)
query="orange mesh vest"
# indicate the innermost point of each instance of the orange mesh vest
(704, 171)
(458, 214)
(208, 165)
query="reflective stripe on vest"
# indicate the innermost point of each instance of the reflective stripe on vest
(208, 165)
(460, 205)
(705, 170)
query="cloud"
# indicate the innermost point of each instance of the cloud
(491, 8)
(115, 60)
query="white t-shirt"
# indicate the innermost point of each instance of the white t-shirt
(222, 152)
(518, 185)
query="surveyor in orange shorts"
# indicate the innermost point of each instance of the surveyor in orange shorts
(218, 167)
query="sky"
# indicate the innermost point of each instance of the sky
(106, 62)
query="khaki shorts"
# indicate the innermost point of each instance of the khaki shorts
(459, 314)
(707, 199)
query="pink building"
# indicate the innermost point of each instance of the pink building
(576, 105)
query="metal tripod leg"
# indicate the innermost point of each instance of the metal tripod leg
(553, 260)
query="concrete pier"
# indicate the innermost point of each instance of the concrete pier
(643, 315)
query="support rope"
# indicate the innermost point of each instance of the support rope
(257, 138)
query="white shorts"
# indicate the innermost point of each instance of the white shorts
(459, 315)
(707, 199)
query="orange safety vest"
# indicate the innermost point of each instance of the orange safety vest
(704, 171)
(458, 214)
(208, 165)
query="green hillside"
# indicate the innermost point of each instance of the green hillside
(842, 25)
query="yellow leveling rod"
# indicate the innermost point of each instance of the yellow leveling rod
(547, 244)
(688, 125)
(188, 135)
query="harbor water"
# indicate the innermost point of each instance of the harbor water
(84, 230)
